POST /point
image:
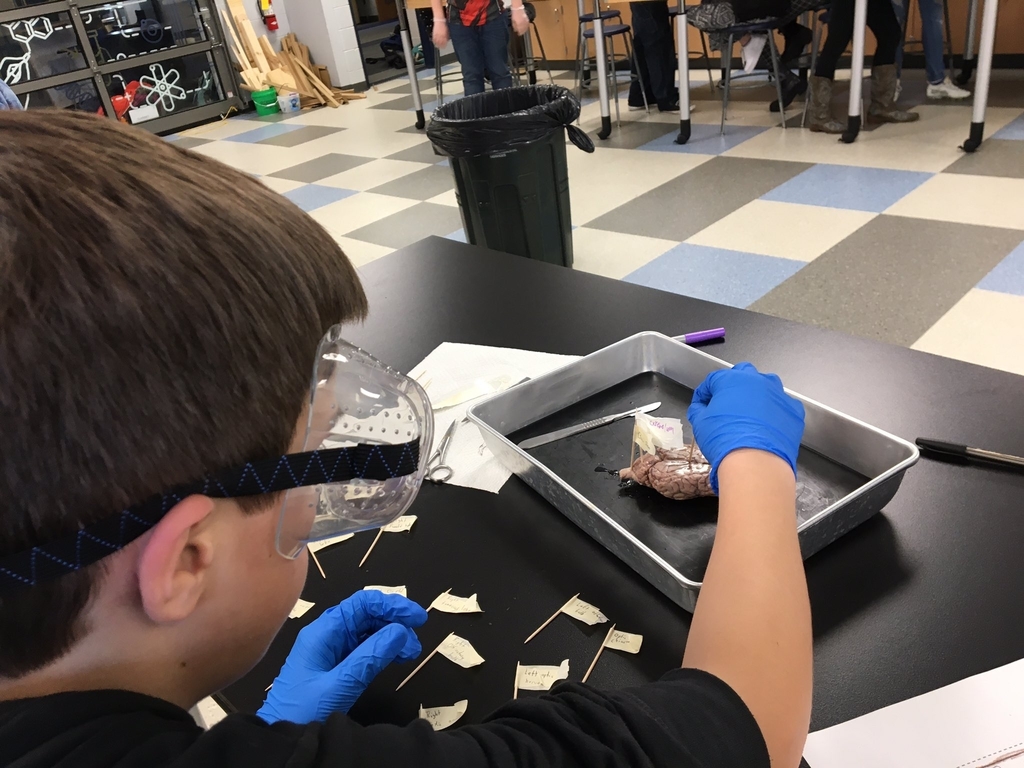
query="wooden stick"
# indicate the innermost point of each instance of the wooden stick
(234, 37)
(319, 87)
(375, 540)
(429, 657)
(268, 51)
(317, 561)
(599, 652)
(553, 617)
(443, 593)
(515, 688)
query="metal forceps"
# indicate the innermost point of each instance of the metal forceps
(438, 471)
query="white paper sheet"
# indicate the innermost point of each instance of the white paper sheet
(401, 525)
(624, 641)
(300, 609)
(541, 677)
(460, 650)
(585, 612)
(316, 546)
(452, 369)
(446, 602)
(444, 717)
(388, 590)
(974, 723)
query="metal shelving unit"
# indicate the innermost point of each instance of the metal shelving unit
(160, 64)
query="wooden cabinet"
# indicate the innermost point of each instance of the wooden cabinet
(553, 29)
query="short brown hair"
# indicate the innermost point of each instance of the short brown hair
(159, 316)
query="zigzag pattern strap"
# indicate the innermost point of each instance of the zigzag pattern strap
(94, 542)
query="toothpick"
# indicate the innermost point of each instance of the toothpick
(515, 689)
(553, 617)
(599, 652)
(429, 657)
(272, 685)
(375, 540)
(443, 593)
(317, 561)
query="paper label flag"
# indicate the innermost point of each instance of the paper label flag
(449, 603)
(585, 612)
(388, 590)
(401, 525)
(624, 641)
(300, 609)
(444, 717)
(459, 650)
(316, 546)
(541, 678)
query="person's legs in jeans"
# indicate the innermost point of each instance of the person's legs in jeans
(494, 42)
(470, 53)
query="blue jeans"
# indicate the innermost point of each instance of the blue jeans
(931, 37)
(482, 47)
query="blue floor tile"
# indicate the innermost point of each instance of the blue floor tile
(444, 163)
(1008, 276)
(704, 139)
(1013, 130)
(459, 236)
(843, 186)
(313, 196)
(726, 277)
(264, 132)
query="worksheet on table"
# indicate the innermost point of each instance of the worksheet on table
(974, 723)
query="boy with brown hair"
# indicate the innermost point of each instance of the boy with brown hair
(181, 417)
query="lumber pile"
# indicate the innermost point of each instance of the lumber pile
(289, 69)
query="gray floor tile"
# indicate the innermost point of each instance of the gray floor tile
(419, 185)
(631, 135)
(892, 279)
(328, 165)
(995, 158)
(404, 103)
(688, 203)
(190, 142)
(300, 136)
(413, 129)
(421, 153)
(406, 227)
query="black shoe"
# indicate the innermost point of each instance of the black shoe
(796, 43)
(673, 107)
(792, 86)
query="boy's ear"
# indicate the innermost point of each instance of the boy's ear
(175, 561)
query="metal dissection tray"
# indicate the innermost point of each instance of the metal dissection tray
(847, 470)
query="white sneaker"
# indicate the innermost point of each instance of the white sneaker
(946, 90)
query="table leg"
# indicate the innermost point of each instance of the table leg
(969, 60)
(860, 19)
(410, 65)
(683, 43)
(988, 39)
(602, 73)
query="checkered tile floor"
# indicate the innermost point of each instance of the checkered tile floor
(899, 237)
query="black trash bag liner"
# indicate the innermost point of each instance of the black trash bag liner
(495, 121)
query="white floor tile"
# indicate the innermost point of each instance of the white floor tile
(356, 211)
(786, 230)
(361, 253)
(984, 327)
(986, 200)
(612, 254)
(281, 185)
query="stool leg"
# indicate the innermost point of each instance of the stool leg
(815, 43)
(707, 63)
(613, 77)
(438, 78)
(631, 51)
(581, 52)
(727, 74)
(543, 55)
(531, 65)
(778, 79)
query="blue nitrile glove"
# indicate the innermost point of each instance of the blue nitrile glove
(741, 408)
(336, 657)
(7, 98)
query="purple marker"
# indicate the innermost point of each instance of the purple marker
(700, 337)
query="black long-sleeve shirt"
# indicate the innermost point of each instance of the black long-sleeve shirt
(688, 719)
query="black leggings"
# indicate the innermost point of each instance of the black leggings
(882, 22)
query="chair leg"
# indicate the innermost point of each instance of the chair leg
(438, 78)
(815, 43)
(613, 77)
(543, 55)
(581, 52)
(631, 51)
(707, 63)
(728, 77)
(778, 79)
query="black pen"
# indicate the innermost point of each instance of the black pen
(941, 449)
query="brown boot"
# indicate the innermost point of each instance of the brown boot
(883, 107)
(819, 107)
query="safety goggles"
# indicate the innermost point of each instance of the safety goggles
(368, 434)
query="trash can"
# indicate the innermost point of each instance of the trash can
(507, 151)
